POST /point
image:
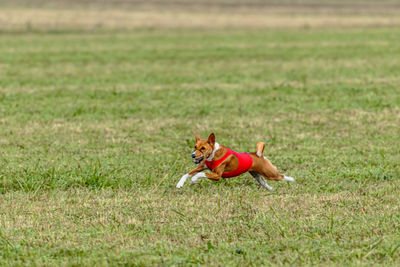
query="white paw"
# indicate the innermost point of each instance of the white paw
(259, 154)
(288, 179)
(197, 177)
(182, 181)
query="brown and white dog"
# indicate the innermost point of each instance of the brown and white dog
(224, 162)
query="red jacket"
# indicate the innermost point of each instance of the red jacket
(245, 163)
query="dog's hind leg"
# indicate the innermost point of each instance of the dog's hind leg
(270, 172)
(288, 178)
(260, 179)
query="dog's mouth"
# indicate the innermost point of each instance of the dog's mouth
(198, 160)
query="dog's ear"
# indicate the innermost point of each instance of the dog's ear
(196, 136)
(211, 139)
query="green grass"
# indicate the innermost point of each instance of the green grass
(96, 130)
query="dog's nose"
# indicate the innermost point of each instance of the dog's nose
(193, 155)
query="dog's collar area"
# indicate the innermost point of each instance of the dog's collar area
(216, 147)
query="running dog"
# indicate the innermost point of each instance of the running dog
(224, 162)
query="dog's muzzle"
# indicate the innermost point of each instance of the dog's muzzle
(196, 160)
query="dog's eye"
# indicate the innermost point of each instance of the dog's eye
(202, 148)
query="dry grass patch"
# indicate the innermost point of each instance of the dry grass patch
(125, 220)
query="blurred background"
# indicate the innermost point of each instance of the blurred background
(128, 14)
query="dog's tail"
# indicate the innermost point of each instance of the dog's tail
(260, 149)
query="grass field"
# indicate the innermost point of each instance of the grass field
(96, 130)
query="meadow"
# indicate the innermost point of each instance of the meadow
(96, 130)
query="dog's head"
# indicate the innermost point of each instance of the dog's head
(203, 148)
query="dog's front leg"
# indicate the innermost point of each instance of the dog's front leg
(182, 181)
(198, 176)
(215, 175)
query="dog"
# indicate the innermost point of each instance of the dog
(224, 162)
